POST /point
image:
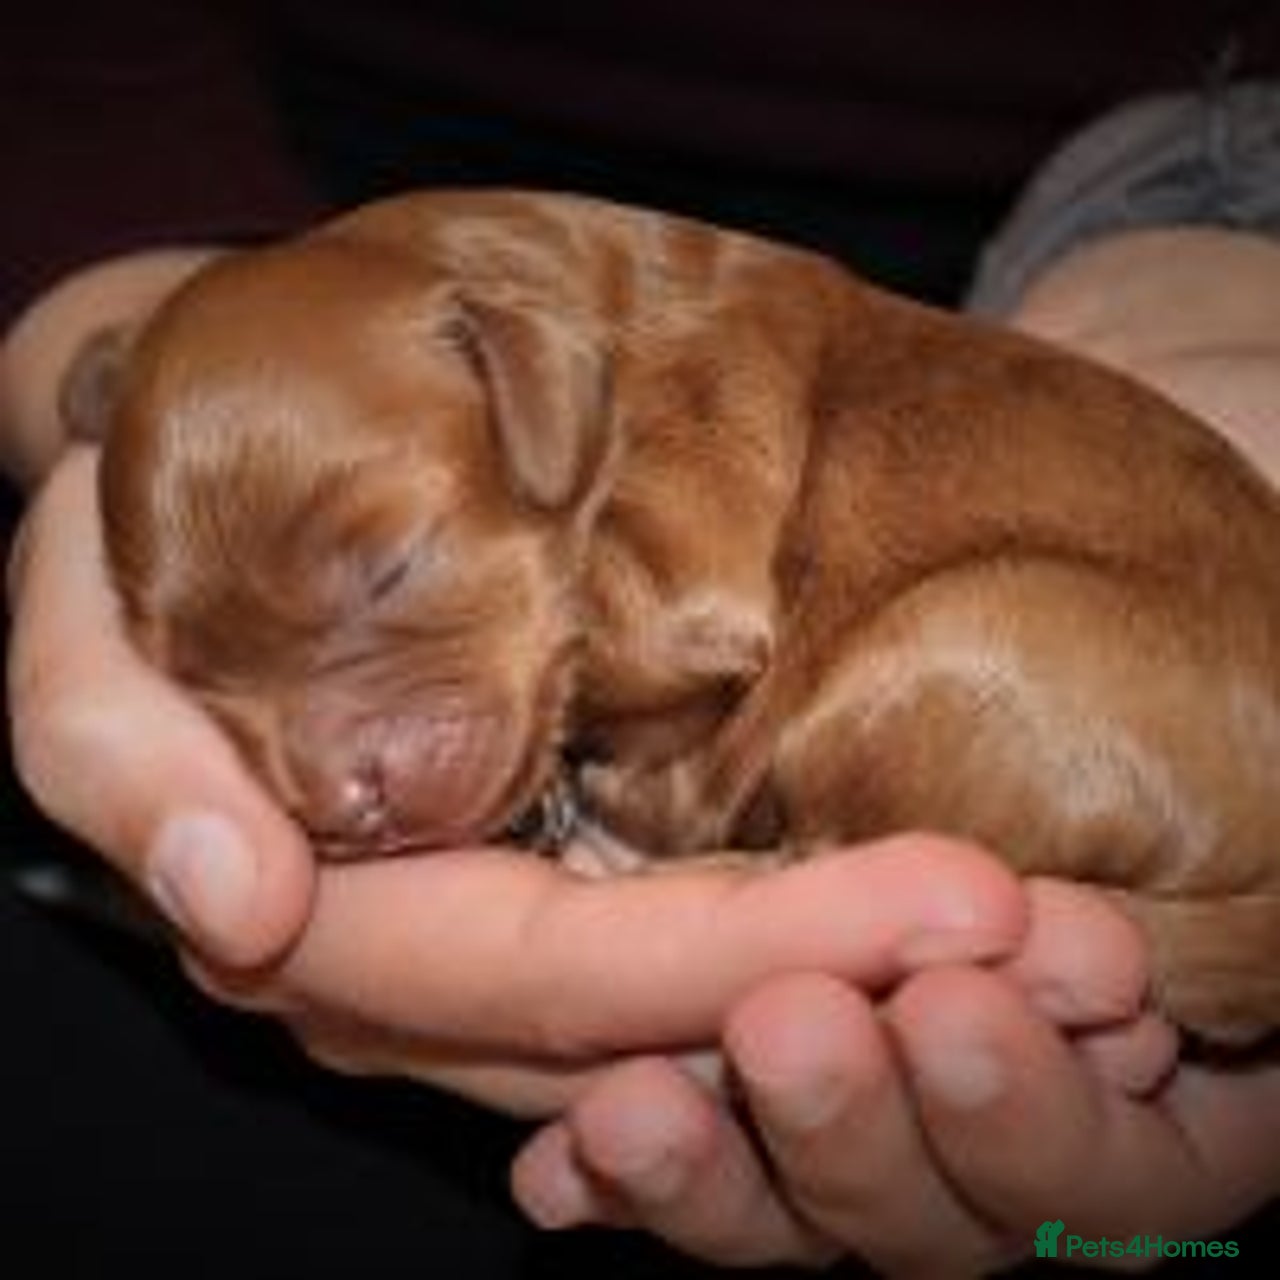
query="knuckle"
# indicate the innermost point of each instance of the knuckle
(556, 1033)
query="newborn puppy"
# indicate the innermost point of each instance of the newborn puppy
(463, 501)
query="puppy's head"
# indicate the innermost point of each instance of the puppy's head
(343, 503)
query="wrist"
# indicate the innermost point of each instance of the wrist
(41, 343)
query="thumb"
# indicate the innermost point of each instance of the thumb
(118, 755)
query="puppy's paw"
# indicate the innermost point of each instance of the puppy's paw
(657, 810)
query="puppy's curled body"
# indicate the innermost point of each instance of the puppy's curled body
(467, 496)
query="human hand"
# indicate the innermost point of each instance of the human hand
(492, 972)
(498, 975)
(932, 1132)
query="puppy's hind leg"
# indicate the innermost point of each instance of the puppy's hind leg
(1081, 724)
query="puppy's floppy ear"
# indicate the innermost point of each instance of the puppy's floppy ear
(546, 377)
(90, 386)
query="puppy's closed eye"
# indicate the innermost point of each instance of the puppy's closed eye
(383, 570)
(386, 578)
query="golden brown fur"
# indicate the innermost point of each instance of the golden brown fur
(461, 486)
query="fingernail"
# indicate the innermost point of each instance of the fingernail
(953, 929)
(804, 1106)
(558, 1198)
(660, 1181)
(202, 874)
(642, 1163)
(963, 1077)
(796, 1082)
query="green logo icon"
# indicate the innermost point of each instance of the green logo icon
(1047, 1234)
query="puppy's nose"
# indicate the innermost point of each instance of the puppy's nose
(398, 782)
(347, 809)
(363, 809)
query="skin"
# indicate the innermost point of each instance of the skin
(972, 1052)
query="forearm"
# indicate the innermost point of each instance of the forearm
(39, 346)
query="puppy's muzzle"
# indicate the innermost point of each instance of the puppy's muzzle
(401, 782)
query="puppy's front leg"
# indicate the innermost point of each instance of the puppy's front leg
(656, 808)
(715, 797)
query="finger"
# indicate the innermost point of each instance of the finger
(1083, 962)
(1137, 1057)
(116, 754)
(1022, 1124)
(820, 1082)
(513, 952)
(550, 1186)
(1084, 965)
(351, 1046)
(650, 1148)
(533, 1091)
(1228, 1115)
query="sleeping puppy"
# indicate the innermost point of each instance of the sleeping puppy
(467, 509)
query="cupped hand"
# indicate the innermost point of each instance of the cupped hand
(931, 1132)
(493, 972)
(113, 752)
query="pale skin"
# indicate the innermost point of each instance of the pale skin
(920, 1039)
